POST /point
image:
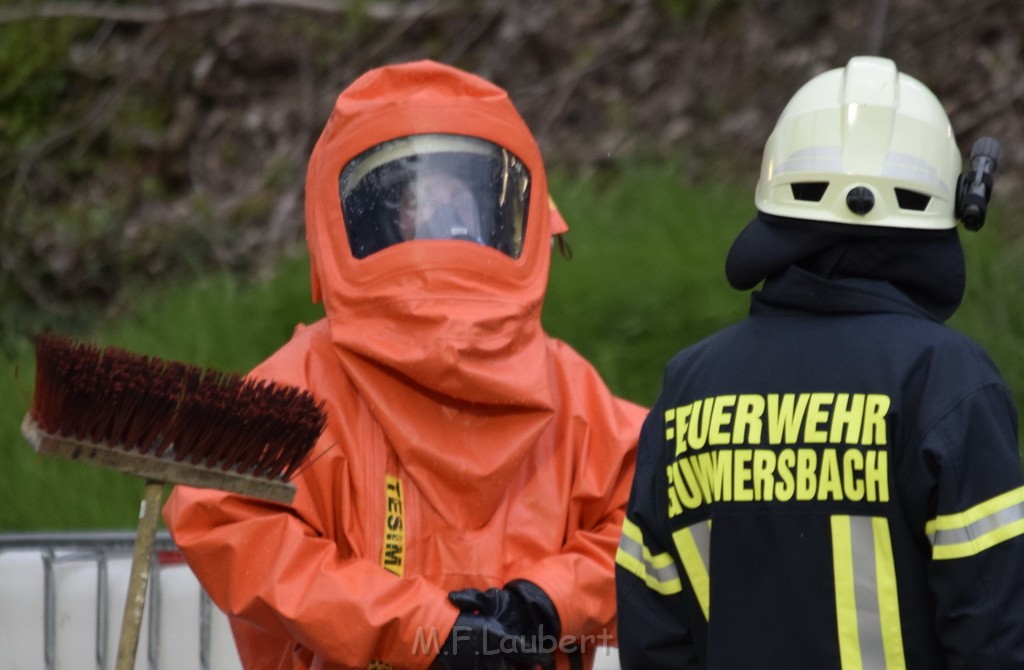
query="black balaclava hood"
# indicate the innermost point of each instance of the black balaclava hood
(927, 265)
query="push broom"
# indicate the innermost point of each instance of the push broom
(168, 423)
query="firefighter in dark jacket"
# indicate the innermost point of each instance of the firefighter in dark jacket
(835, 482)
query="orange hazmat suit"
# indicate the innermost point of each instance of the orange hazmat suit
(464, 446)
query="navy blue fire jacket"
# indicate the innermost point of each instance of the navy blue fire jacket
(833, 482)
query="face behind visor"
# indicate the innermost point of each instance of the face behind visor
(435, 187)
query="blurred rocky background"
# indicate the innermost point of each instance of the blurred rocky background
(143, 140)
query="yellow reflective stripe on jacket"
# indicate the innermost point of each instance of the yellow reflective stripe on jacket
(867, 605)
(657, 571)
(694, 547)
(974, 530)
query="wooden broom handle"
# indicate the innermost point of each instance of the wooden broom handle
(142, 559)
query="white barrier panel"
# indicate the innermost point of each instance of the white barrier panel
(62, 601)
(607, 659)
(62, 609)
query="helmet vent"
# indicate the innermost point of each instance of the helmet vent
(809, 191)
(912, 200)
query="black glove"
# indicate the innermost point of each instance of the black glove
(517, 624)
(521, 606)
(478, 642)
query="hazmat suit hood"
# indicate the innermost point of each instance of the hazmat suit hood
(441, 338)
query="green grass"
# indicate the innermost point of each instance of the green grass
(647, 275)
(646, 279)
(993, 308)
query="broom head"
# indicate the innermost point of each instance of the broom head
(169, 421)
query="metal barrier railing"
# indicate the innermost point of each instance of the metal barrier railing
(63, 547)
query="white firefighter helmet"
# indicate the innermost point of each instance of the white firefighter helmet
(864, 144)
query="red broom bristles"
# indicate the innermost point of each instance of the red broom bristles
(172, 410)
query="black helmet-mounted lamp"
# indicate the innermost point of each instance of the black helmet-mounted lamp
(975, 188)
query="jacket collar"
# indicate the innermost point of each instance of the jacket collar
(796, 289)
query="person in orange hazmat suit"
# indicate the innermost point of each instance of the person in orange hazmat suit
(463, 505)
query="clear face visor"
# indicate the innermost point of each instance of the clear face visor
(435, 187)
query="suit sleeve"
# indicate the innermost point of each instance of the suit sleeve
(975, 527)
(290, 574)
(653, 629)
(580, 578)
(267, 565)
(594, 448)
